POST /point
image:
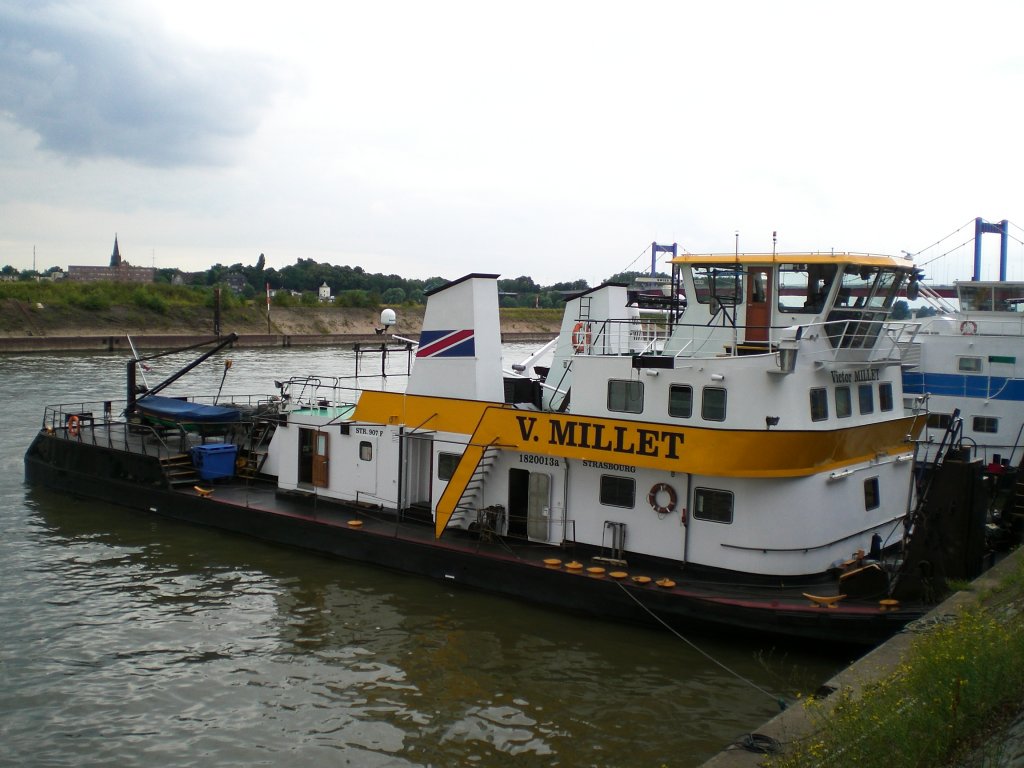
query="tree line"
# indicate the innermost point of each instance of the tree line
(351, 286)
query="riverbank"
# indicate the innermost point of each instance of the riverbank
(40, 329)
(803, 723)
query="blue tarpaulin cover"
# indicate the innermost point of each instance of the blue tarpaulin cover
(172, 409)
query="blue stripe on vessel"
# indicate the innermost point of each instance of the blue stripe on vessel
(958, 385)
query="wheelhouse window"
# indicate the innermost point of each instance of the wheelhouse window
(718, 285)
(986, 424)
(871, 494)
(365, 450)
(625, 395)
(804, 288)
(868, 287)
(819, 404)
(844, 402)
(969, 364)
(713, 505)
(713, 404)
(866, 398)
(939, 420)
(885, 396)
(680, 401)
(865, 298)
(618, 491)
(446, 464)
(975, 298)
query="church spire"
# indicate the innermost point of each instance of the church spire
(115, 257)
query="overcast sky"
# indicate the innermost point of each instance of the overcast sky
(553, 139)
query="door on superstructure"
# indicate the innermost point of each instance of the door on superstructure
(418, 455)
(365, 470)
(529, 504)
(320, 445)
(759, 304)
(307, 443)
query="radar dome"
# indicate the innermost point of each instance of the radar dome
(387, 318)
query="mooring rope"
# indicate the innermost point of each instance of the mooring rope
(777, 699)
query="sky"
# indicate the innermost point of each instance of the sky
(550, 139)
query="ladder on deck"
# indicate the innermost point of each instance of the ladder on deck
(258, 450)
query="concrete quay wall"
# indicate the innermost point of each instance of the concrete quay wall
(22, 344)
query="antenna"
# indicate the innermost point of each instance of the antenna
(775, 240)
(737, 245)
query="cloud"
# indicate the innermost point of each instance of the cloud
(101, 80)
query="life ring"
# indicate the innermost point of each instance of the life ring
(652, 498)
(73, 425)
(580, 336)
(968, 327)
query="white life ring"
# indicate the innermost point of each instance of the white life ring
(580, 336)
(669, 491)
(968, 327)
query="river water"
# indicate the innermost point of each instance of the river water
(131, 640)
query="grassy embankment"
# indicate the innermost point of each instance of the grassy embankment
(958, 684)
(86, 309)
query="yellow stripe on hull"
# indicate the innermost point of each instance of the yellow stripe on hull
(697, 450)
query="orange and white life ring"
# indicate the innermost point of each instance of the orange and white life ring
(670, 494)
(580, 336)
(74, 425)
(968, 327)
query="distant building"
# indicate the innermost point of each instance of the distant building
(119, 271)
(325, 292)
(235, 281)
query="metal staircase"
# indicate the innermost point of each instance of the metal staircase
(469, 503)
(178, 470)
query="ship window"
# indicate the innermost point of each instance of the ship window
(985, 424)
(885, 396)
(365, 451)
(803, 288)
(866, 396)
(714, 506)
(446, 464)
(939, 420)
(618, 491)
(844, 403)
(819, 404)
(717, 285)
(975, 298)
(625, 395)
(680, 401)
(713, 404)
(871, 495)
(969, 364)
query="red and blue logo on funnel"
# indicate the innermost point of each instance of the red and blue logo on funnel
(447, 344)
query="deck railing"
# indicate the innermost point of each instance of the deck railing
(864, 337)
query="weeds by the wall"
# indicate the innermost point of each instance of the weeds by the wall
(954, 681)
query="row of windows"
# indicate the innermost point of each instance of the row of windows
(844, 400)
(985, 424)
(627, 396)
(617, 491)
(708, 504)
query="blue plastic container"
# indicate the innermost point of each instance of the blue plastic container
(215, 461)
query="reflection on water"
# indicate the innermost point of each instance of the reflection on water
(132, 640)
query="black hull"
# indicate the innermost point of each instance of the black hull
(137, 481)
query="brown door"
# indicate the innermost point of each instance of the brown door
(320, 460)
(759, 304)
